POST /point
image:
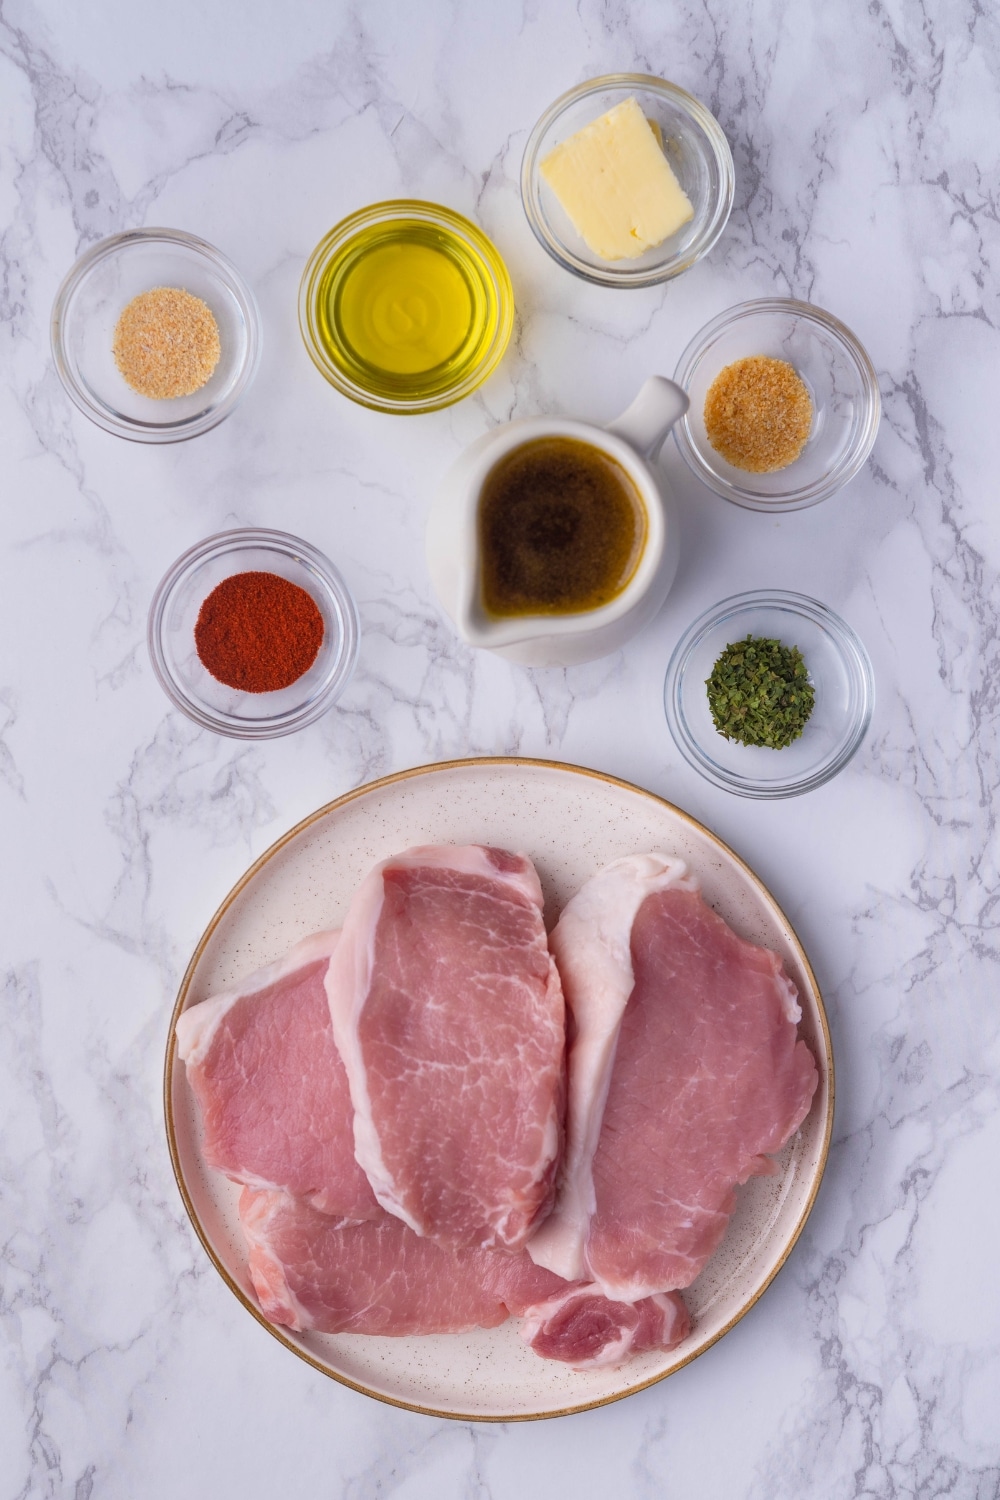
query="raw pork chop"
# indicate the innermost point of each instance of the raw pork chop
(311, 1272)
(589, 1331)
(707, 1078)
(448, 1013)
(590, 943)
(271, 1087)
(575, 1323)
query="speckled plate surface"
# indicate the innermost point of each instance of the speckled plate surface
(571, 822)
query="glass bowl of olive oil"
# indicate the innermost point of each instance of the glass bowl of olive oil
(406, 306)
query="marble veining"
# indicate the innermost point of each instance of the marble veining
(868, 181)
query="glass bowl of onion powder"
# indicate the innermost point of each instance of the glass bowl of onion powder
(253, 634)
(737, 726)
(155, 335)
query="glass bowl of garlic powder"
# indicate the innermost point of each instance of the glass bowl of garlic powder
(627, 180)
(796, 345)
(155, 335)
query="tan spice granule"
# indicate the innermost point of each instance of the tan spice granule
(758, 414)
(166, 343)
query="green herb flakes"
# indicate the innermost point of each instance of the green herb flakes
(759, 693)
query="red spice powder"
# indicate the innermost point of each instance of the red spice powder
(258, 632)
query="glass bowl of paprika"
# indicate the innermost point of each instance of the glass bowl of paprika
(253, 634)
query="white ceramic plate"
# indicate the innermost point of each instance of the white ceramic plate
(571, 822)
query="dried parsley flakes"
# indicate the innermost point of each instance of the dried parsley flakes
(759, 693)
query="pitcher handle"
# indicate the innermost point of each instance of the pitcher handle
(659, 404)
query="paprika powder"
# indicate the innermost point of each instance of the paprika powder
(258, 632)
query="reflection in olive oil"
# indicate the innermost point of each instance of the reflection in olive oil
(402, 309)
(561, 530)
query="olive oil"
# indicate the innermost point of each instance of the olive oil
(561, 530)
(406, 309)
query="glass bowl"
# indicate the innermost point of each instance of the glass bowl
(839, 670)
(225, 710)
(471, 262)
(87, 307)
(694, 145)
(840, 379)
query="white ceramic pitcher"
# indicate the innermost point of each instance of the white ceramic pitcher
(633, 440)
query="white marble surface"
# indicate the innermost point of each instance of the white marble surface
(867, 181)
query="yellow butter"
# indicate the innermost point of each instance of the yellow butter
(616, 185)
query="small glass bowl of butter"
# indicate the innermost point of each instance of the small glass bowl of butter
(591, 134)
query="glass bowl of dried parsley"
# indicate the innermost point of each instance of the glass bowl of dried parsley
(253, 634)
(155, 335)
(769, 694)
(785, 405)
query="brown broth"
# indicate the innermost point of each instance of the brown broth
(561, 530)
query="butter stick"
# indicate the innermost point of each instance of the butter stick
(616, 185)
